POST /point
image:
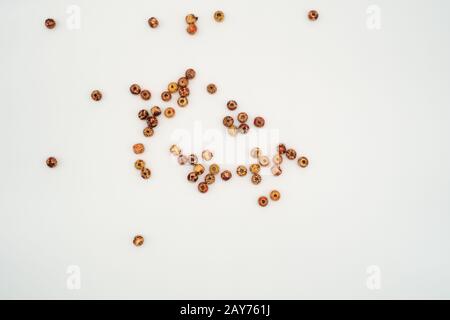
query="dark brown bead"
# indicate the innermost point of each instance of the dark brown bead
(135, 89)
(210, 178)
(96, 95)
(193, 159)
(256, 178)
(155, 111)
(183, 91)
(182, 101)
(152, 121)
(190, 73)
(243, 128)
(226, 175)
(138, 241)
(203, 187)
(192, 176)
(51, 162)
(145, 94)
(146, 173)
(183, 82)
(50, 23)
(232, 105)
(166, 96)
(259, 122)
(211, 88)
(275, 195)
(148, 132)
(313, 15)
(153, 22)
(191, 28)
(242, 117)
(303, 162)
(143, 114)
(263, 201)
(228, 121)
(282, 148)
(291, 154)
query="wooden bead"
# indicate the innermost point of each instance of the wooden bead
(152, 121)
(182, 160)
(228, 121)
(96, 95)
(166, 96)
(303, 162)
(139, 164)
(190, 73)
(259, 122)
(210, 178)
(263, 161)
(277, 159)
(291, 154)
(52, 162)
(169, 112)
(241, 171)
(313, 15)
(135, 89)
(155, 111)
(232, 131)
(193, 159)
(138, 148)
(191, 18)
(182, 101)
(172, 87)
(203, 187)
(175, 150)
(145, 94)
(182, 82)
(243, 128)
(143, 114)
(256, 178)
(276, 170)
(263, 201)
(50, 23)
(192, 177)
(199, 169)
(207, 155)
(214, 169)
(275, 195)
(255, 153)
(148, 132)
(232, 105)
(138, 241)
(281, 148)
(219, 16)
(146, 173)
(226, 175)
(153, 22)
(211, 88)
(183, 91)
(242, 117)
(255, 168)
(191, 28)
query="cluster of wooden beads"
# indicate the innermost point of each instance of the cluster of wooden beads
(139, 164)
(242, 118)
(181, 87)
(263, 201)
(143, 93)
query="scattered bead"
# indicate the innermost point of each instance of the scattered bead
(207, 155)
(183, 82)
(191, 28)
(192, 177)
(166, 96)
(139, 164)
(138, 241)
(303, 162)
(242, 117)
(214, 169)
(241, 171)
(155, 111)
(263, 201)
(190, 73)
(175, 150)
(148, 132)
(135, 89)
(50, 23)
(152, 121)
(96, 95)
(275, 195)
(193, 159)
(182, 101)
(291, 154)
(203, 187)
(52, 162)
(153, 22)
(183, 91)
(145, 94)
(172, 87)
(259, 122)
(232, 131)
(256, 178)
(282, 148)
(232, 105)
(228, 121)
(313, 15)
(210, 178)
(146, 173)
(182, 159)
(243, 128)
(226, 175)
(169, 112)
(211, 88)
(219, 16)
(191, 18)
(199, 169)
(255, 168)
(255, 153)
(277, 159)
(143, 114)
(263, 161)
(276, 170)
(138, 148)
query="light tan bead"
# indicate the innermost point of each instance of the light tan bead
(175, 150)
(182, 159)
(276, 170)
(199, 169)
(255, 153)
(264, 161)
(172, 87)
(169, 112)
(233, 130)
(207, 155)
(214, 168)
(277, 159)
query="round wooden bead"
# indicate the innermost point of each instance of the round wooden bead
(263, 201)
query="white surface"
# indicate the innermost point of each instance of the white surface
(370, 108)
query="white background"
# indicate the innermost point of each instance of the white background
(370, 108)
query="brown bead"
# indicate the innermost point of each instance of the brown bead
(183, 82)
(203, 187)
(183, 91)
(214, 169)
(242, 117)
(146, 173)
(138, 148)
(241, 171)
(182, 160)
(303, 162)
(232, 131)
(277, 159)
(263, 201)
(313, 15)
(282, 148)
(276, 170)
(199, 169)
(153, 22)
(211, 88)
(182, 101)
(232, 105)
(155, 111)
(243, 128)
(169, 112)
(291, 154)
(148, 132)
(275, 195)
(166, 96)
(192, 177)
(259, 122)
(172, 87)
(264, 161)
(219, 16)
(50, 23)
(139, 164)
(143, 114)
(145, 94)
(138, 241)
(52, 162)
(96, 95)
(190, 73)
(191, 28)
(228, 121)
(226, 175)
(255, 153)
(152, 121)
(207, 155)
(210, 178)
(135, 89)
(191, 18)
(175, 150)
(256, 178)
(255, 168)
(193, 159)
